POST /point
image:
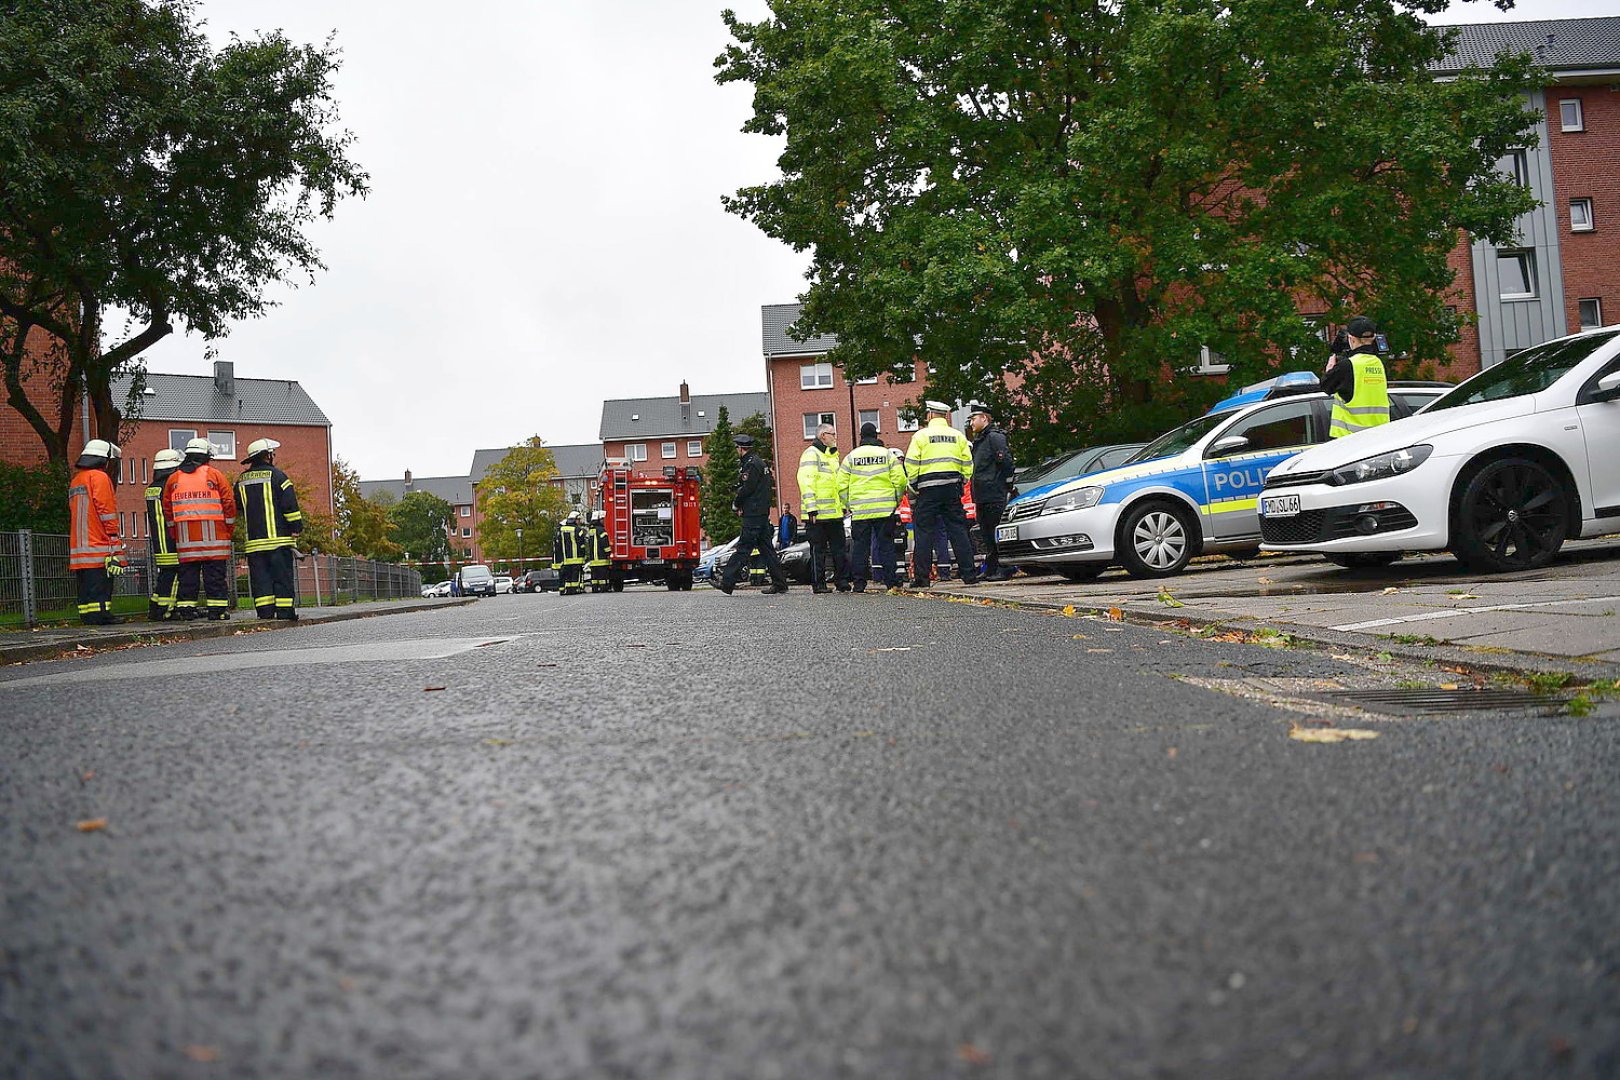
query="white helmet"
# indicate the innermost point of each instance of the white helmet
(573, 515)
(166, 459)
(199, 445)
(101, 448)
(260, 446)
(598, 515)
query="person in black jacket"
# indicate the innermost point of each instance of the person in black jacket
(992, 483)
(753, 502)
(273, 521)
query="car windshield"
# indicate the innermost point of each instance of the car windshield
(1529, 372)
(1056, 468)
(1183, 437)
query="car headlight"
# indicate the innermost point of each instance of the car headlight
(1078, 499)
(1381, 466)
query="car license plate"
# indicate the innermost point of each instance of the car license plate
(1006, 533)
(1279, 506)
(653, 562)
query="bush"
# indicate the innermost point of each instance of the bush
(34, 497)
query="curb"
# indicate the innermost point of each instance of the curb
(157, 635)
(1508, 662)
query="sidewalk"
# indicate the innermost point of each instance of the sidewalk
(43, 643)
(1564, 618)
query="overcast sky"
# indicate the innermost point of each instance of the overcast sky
(544, 229)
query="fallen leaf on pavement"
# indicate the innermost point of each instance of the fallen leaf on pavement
(1068, 610)
(972, 1054)
(87, 776)
(1081, 637)
(1170, 752)
(427, 689)
(1263, 580)
(1115, 614)
(82, 648)
(204, 1054)
(1169, 601)
(93, 825)
(1364, 857)
(1330, 735)
(1449, 686)
(1391, 589)
(497, 742)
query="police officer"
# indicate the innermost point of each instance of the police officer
(753, 502)
(993, 469)
(601, 552)
(166, 589)
(870, 483)
(269, 508)
(95, 549)
(823, 510)
(198, 500)
(938, 466)
(568, 555)
(1357, 382)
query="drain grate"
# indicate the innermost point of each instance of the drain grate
(1423, 702)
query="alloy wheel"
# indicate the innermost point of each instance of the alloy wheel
(1514, 516)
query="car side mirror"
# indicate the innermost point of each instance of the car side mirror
(1231, 444)
(1608, 387)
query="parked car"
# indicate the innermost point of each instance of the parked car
(543, 580)
(1073, 463)
(503, 584)
(708, 567)
(430, 590)
(1411, 396)
(1501, 470)
(1192, 490)
(475, 579)
(442, 588)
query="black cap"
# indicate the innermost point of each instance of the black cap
(977, 407)
(744, 441)
(869, 430)
(1361, 326)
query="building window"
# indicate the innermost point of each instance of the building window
(466, 553)
(866, 382)
(1517, 273)
(813, 420)
(1591, 309)
(1580, 215)
(1570, 117)
(222, 444)
(669, 449)
(464, 511)
(694, 448)
(466, 533)
(178, 437)
(1517, 165)
(636, 451)
(906, 420)
(574, 496)
(873, 417)
(1211, 362)
(815, 376)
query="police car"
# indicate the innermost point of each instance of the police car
(1192, 490)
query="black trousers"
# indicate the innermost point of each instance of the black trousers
(935, 508)
(827, 542)
(989, 517)
(95, 595)
(862, 533)
(756, 535)
(165, 592)
(270, 573)
(572, 578)
(214, 596)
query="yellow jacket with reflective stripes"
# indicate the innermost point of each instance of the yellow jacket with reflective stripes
(939, 454)
(871, 482)
(268, 509)
(1369, 402)
(818, 482)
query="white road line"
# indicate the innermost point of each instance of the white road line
(1431, 615)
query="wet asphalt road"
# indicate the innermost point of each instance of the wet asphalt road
(691, 836)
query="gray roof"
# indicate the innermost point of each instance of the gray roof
(776, 319)
(195, 398)
(455, 490)
(582, 459)
(1559, 45)
(662, 417)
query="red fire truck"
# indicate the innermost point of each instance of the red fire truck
(652, 524)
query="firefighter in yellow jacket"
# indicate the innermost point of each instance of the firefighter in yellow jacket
(166, 588)
(939, 463)
(268, 509)
(823, 510)
(95, 549)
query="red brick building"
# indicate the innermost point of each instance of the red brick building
(19, 442)
(651, 433)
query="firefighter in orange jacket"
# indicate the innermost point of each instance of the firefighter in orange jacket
(199, 502)
(96, 550)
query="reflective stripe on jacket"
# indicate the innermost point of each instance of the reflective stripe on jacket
(157, 526)
(1369, 402)
(601, 547)
(566, 547)
(93, 521)
(818, 482)
(269, 509)
(871, 482)
(203, 533)
(939, 454)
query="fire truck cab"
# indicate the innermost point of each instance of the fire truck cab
(652, 524)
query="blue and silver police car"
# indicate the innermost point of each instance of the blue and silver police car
(1194, 490)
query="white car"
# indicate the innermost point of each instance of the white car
(1501, 470)
(428, 590)
(503, 584)
(442, 589)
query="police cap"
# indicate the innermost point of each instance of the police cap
(936, 406)
(744, 441)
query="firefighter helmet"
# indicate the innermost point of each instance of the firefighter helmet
(199, 445)
(98, 452)
(166, 459)
(260, 446)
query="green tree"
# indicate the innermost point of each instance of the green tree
(519, 492)
(1084, 195)
(421, 521)
(720, 522)
(361, 526)
(759, 427)
(149, 173)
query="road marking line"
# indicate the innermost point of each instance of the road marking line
(1431, 615)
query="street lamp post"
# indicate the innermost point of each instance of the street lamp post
(520, 550)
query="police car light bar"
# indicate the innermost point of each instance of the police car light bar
(1286, 385)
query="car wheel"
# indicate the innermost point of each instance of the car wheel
(1156, 539)
(1081, 572)
(1512, 514)
(1364, 560)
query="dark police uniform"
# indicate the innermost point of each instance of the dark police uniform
(753, 502)
(992, 478)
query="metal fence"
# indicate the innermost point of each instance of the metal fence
(36, 585)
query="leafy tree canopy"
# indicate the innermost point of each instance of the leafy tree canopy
(518, 492)
(360, 526)
(720, 472)
(1082, 195)
(421, 522)
(148, 172)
